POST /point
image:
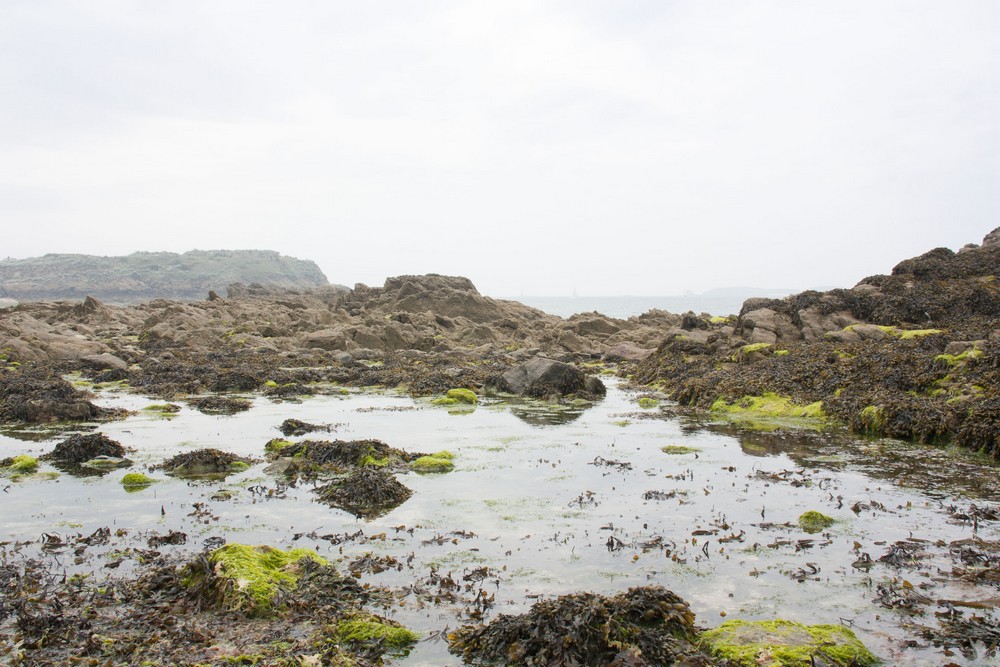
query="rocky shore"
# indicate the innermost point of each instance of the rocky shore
(912, 354)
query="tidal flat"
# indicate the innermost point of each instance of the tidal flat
(545, 500)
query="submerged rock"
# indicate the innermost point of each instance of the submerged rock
(782, 643)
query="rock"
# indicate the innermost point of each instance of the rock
(326, 339)
(767, 326)
(593, 325)
(870, 332)
(626, 352)
(816, 323)
(541, 377)
(104, 362)
(343, 358)
(993, 238)
(147, 275)
(744, 643)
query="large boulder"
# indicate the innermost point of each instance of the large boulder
(542, 377)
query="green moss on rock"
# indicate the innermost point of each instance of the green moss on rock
(781, 643)
(136, 480)
(457, 396)
(813, 521)
(769, 406)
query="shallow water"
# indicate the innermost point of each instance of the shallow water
(553, 502)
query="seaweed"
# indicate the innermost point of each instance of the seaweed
(647, 625)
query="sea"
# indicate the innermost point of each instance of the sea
(624, 307)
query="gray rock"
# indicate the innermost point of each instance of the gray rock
(626, 352)
(870, 332)
(104, 362)
(543, 377)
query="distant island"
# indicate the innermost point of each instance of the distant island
(152, 275)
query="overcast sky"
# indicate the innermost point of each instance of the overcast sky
(627, 147)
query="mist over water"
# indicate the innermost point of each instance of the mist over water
(623, 307)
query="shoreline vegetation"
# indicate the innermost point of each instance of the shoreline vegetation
(911, 355)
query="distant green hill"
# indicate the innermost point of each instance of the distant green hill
(150, 275)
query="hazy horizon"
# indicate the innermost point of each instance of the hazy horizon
(627, 148)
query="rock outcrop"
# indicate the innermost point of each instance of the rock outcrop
(913, 354)
(150, 275)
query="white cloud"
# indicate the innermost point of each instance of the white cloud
(634, 148)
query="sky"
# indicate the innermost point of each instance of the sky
(643, 147)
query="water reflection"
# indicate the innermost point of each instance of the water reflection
(546, 415)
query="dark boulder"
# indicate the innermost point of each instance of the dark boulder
(541, 377)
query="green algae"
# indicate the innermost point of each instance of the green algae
(755, 347)
(23, 464)
(781, 643)
(457, 396)
(907, 334)
(952, 360)
(163, 409)
(250, 578)
(771, 407)
(814, 522)
(872, 419)
(370, 461)
(439, 462)
(676, 450)
(647, 402)
(365, 629)
(276, 446)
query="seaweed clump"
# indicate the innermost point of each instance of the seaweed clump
(205, 462)
(298, 427)
(366, 493)
(647, 625)
(82, 448)
(220, 405)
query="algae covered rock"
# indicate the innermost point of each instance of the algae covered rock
(646, 625)
(136, 481)
(458, 396)
(250, 579)
(23, 464)
(781, 643)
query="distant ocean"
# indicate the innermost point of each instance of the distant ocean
(623, 307)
